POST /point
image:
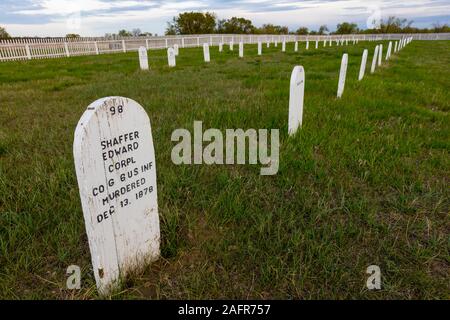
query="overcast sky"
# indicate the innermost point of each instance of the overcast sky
(97, 17)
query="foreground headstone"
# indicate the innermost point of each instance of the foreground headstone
(115, 166)
(342, 75)
(241, 49)
(176, 50)
(389, 51)
(171, 57)
(206, 56)
(374, 60)
(143, 58)
(296, 98)
(362, 69)
(259, 48)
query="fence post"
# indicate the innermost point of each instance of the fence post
(182, 42)
(124, 46)
(96, 48)
(27, 48)
(66, 47)
(198, 41)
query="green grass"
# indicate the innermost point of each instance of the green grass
(364, 182)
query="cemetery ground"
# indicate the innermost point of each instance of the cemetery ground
(364, 182)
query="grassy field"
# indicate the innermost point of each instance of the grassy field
(364, 182)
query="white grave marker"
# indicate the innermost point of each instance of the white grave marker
(276, 43)
(283, 46)
(296, 97)
(220, 47)
(231, 45)
(176, 49)
(307, 45)
(296, 46)
(342, 75)
(143, 58)
(374, 60)
(241, 49)
(206, 52)
(268, 44)
(116, 172)
(389, 50)
(395, 46)
(362, 69)
(259, 48)
(380, 55)
(317, 44)
(171, 57)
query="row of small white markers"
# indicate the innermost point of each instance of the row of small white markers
(173, 52)
(297, 85)
(116, 172)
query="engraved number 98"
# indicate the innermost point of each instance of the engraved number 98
(115, 110)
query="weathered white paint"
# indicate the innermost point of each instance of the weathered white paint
(176, 50)
(389, 51)
(118, 191)
(206, 56)
(296, 46)
(362, 69)
(171, 57)
(296, 97)
(241, 49)
(143, 58)
(380, 54)
(259, 48)
(374, 60)
(342, 75)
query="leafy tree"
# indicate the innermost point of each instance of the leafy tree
(235, 26)
(193, 23)
(438, 28)
(346, 28)
(136, 32)
(72, 35)
(394, 25)
(3, 33)
(272, 29)
(302, 31)
(323, 30)
(170, 30)
(124, 33)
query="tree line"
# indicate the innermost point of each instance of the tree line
(207, 23)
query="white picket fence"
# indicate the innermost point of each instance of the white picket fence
(43, 48)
